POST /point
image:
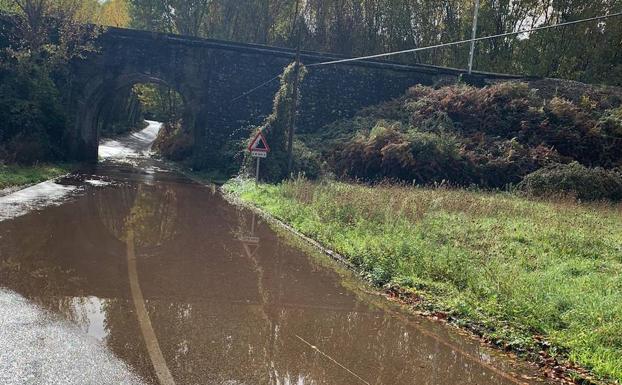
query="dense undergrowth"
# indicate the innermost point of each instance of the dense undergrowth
(574, 180)
(548, 137)
(31, 113)
(36, 81)
(517, 267)
(490, 137)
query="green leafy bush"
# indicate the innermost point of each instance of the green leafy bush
(389, 152)
(611, 123)
(36, 52)
(306, 161)
(575, 180)
(33, 120)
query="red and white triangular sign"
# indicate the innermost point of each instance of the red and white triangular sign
(259, 144)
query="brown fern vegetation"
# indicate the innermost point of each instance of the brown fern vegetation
(491, 137)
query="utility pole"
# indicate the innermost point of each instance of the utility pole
(294, 106)
(473, 36)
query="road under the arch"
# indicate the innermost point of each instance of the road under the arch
(136, 274)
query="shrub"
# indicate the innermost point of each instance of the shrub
(173, 142)
(495, 110)
(576, 180)
(491, 137)
(306, 161)
(33, 120)
(389, 152)
(611, 123)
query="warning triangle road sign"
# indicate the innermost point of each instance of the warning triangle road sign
(259, 144)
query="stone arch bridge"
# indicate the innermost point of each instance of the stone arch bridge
(211, 74)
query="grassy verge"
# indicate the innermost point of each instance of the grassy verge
(14, 175)
(532, 275)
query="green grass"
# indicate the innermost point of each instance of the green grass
(14, 175)
(517, 267)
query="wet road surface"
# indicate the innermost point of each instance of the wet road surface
(140, 275)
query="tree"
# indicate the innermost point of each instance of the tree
(34, 75)
(8, 6)
(40, 15)
(150, 15)
(188, 15)
(115, 13)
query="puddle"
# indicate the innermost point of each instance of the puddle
(186, 288)
(163, 275)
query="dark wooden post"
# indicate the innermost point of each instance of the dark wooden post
(294, 107)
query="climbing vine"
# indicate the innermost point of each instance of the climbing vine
(276, 128)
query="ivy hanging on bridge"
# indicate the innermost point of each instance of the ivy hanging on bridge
(276, 130)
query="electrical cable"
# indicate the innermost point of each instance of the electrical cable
(617, 14)
(255, 88)
(465, 41)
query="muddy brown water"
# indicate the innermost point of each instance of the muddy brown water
(188, 289)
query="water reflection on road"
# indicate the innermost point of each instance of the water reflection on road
(187, 289)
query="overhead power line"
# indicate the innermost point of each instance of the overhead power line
(466, 41)
(255, 88)
(472, 40)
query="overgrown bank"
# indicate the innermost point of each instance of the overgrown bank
(546, 137)
(16, 176)
(523, 271)
(491, 137)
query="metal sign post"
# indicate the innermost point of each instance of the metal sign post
(259, 149)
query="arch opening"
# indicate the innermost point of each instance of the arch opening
(130, 111)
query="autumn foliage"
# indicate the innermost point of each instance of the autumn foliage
(490, 137)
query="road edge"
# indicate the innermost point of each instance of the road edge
(548, 366)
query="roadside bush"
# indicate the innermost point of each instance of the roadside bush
(611, 123)
(490, 137)
(495, 110)
(389, 152)
(576, 180)
(173, 142)
(338, 133)
(306, 162)
(35, 81)
(33, 120)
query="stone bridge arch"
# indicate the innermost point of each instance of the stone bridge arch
(211, 75)
(114, 69)
(90, 112)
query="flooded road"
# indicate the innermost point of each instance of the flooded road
(145, 276)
